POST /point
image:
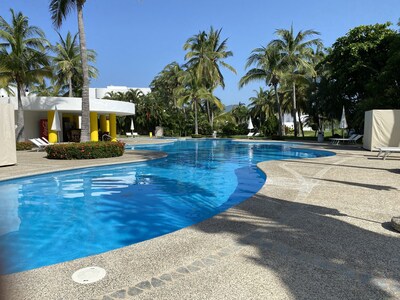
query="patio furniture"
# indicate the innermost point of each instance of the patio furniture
(386, 151)
(46, 140)
(352, 139)
(40, 146)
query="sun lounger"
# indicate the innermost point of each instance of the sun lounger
(257, 134)
(40, 141)
(40, 146)
(386, 151)
(250, 134)
(352, 139)
(46, 141)
(131, 134)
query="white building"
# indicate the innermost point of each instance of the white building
(39, 113)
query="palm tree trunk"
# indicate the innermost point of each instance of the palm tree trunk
(209, 113)
(294, 110)
(85, 129)
(196, 126)
(19, 131)
(300, 123)
(70, 92)
(280, 127)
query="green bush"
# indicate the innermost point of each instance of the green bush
(24, 146)
(196, 136)
(89, 150)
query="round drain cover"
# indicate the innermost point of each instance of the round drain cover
(88, 275)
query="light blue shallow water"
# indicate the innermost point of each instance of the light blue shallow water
(62, 216)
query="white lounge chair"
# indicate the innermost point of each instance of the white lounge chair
(386, 151)
(40, 146)
(250, 134)
(257, 134)
(46, 141)
(40, 141)
(131, 134)
(352, 139)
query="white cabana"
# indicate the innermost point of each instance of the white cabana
(381, 129)
(7, 135)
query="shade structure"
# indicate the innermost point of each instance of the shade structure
(250, 126)
(56, 125)
(343, 122)
(132, 125)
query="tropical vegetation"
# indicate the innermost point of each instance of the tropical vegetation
(88, 150)
(296, 76)
(23, 59)
(59, 10)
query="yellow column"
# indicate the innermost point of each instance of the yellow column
(52, 133)
(103, 123)
(94, 127)
(113, 127)
(76, 121)
(108, 125)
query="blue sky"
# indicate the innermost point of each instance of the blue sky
(135, 39)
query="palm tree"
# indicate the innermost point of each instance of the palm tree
(192, 91)
(296, 52)
(23, 59)
(268, 69)
(166, 83)
(261, 106)
(59, 10)
(43, 90)
(67, 61)
(206, 53)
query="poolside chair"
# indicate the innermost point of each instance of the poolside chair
(386, 151)
(40, 145)
(40, 141)
(352, 139)
(250, 134)
(46, 141)
(257, 134)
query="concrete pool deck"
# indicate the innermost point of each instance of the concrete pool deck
(318, 229)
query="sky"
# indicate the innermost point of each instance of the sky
(136, 39)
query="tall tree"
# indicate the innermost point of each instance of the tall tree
(267, 69)
(262, 105)
(362, 74)
(23, 59)
(192, 91)
(67, 61)
(59, 10)
(296, 51)
(206, 54)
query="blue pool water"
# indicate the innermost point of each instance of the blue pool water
(61, 216)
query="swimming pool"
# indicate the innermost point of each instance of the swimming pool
(57, 217)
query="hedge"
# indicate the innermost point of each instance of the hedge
(89, 150)
(24, 146)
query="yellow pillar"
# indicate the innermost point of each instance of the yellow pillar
(103, 123)
(94, 127)
(76, 121)
(52, 133)
(108, 125)
(113, 127)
